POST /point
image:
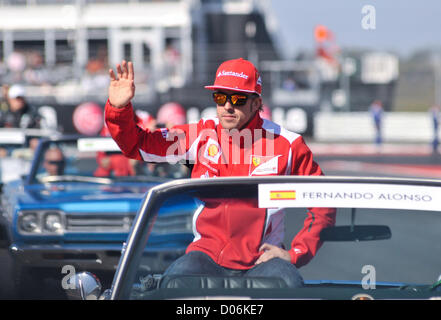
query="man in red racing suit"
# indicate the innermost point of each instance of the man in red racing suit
(228, 232)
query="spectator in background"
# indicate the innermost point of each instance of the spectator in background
(95, 79)
(435, 115)
(289, 84)
(54, 162)
(172, 57)
(16, 63)
(35, 72)
(19, 113)
(113, 164)
(377, 115)
(4, 99)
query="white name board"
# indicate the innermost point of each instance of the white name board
(12, 137)
(97, 144)
(349, 195)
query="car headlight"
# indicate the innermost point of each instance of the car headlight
(29, 222)
(53, 223)
(41, 222)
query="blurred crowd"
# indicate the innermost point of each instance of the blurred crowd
(28, 68)
(88, 119)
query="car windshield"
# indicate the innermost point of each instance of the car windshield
(385, 237)
(96, 159)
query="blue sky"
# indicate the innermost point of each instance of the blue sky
(402, 26)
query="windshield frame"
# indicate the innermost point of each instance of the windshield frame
(33, 177)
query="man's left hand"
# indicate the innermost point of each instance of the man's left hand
(271, 251)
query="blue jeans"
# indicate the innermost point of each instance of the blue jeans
(199, 263)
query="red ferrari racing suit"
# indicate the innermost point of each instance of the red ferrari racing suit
(229, 231)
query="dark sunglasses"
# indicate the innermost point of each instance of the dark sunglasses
(236, 99)
(55, 162)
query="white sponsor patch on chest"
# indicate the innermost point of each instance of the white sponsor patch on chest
(264, 165)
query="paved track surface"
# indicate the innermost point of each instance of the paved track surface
(394, 160)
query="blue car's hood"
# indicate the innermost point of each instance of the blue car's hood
(85, 196)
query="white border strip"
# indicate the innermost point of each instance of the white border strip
(351, 195)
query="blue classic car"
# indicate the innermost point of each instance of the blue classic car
(75, 209)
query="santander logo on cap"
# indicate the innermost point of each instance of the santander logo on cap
(224, 73)
(237, 75)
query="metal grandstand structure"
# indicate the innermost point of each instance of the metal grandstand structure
(61, 49)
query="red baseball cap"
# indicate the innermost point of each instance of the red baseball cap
(238, 75)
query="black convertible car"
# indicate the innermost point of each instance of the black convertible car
(385, 243)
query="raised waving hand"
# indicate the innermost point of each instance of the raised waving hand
(122, 85)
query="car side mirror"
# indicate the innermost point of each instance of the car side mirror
(83, 286)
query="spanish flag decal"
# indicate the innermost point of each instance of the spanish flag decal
(283, 195)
